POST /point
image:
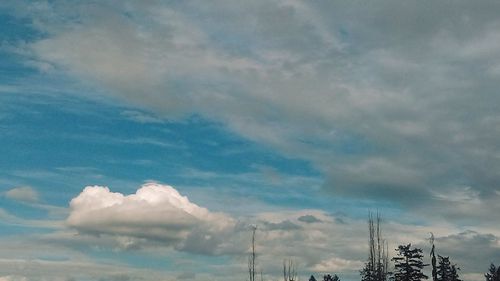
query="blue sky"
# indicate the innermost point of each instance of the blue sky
(142, 140)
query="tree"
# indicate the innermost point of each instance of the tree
(447, 271)
(376, 268)
(252, 257)
(433, 258)
(443, 269)
(289, 270)
(329, 277)
(454, 273)
(493, 274)
(312, 278)
(408, 264)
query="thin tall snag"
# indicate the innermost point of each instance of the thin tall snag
(378, 260)
(289, 270)
(252, 257)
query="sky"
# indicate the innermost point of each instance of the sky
(143, 140)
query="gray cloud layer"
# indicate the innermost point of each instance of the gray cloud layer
(390, 100)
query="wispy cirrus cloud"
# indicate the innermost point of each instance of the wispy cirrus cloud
(22, 193)
(141, 117)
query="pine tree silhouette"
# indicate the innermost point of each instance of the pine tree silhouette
(443, 269)
(493, 274)
(329, 277)
(454, 273)
(408, 264)
(447, 271)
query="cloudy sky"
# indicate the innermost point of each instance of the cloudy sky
(141, 140)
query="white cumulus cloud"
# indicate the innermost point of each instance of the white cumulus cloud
(155, 213)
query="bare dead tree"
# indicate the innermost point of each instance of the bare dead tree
(252, 257)
(433, 257)
(371, 243)
(289, 270)
(376, 268)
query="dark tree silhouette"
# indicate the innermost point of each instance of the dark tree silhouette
(289, 270)
(408, 264)
(433, 258)
(312, 278)
(443, 269)
(493, 273)
(376, 267)
(329, 277)
(252, 258)
(447, 271)
(454, 273)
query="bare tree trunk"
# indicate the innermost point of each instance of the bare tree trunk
(378, 252)
(433, 258)
(289, 270)
(371, 242)
(252, 257)
(386, 259)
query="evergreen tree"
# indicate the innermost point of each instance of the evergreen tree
(443, 269)
(329, 277)
(367, 273)
(493, 274)
(408, 264)
(447, 271)
(454, 273)
(312, 278)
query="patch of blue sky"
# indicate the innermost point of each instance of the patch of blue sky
(15, 32)
(189, 259)
(15, 29)
(22, 210)
(47, 136)
(166, 261)
(48, 257)
(136, 258)
(10, 68)
(15, 230)
(344, 33)
(9, 229)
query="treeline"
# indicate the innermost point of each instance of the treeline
(408, 264)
